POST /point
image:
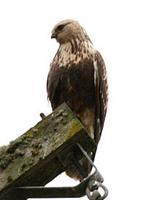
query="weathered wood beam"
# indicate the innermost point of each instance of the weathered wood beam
(39, 155)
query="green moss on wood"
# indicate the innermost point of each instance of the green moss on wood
(36, 152)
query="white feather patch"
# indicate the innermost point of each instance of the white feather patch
(95, 72)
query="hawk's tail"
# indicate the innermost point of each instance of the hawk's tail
(79, 169)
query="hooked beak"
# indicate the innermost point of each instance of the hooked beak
(53, 35)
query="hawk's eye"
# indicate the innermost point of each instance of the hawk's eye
(60, 27)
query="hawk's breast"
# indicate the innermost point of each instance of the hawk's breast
(73, 85)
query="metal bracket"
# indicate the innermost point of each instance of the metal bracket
(89, 186)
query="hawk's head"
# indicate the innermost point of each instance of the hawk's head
(67, 30)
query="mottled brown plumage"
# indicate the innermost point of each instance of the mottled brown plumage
(77, 76)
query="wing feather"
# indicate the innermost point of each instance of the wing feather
(53, 80)
(101, 88)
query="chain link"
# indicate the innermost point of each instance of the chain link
(92, 190)
(95, 182)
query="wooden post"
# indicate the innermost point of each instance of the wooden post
(39, 155)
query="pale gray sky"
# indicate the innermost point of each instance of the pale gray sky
(117, 29)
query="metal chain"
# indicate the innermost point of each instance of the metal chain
(92, 190)
(95, 182)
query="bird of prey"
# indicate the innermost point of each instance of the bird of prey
(78, 77)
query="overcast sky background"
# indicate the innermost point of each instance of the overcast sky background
(117, 29)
